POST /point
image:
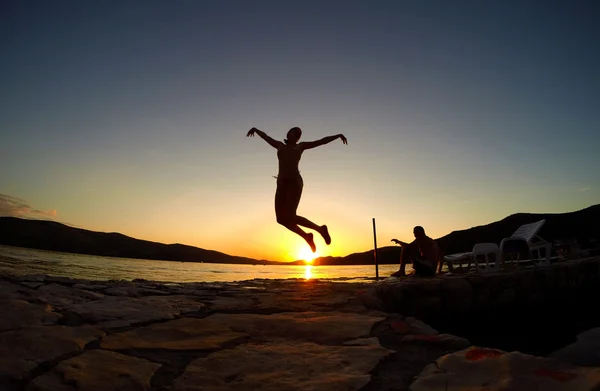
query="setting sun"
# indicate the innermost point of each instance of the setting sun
(307, 255)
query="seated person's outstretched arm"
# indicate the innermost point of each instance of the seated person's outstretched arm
(323, 141)
(399, 242)
(274, 143)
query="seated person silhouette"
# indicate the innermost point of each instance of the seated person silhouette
(423, 252)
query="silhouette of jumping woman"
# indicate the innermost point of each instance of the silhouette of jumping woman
(290, 184)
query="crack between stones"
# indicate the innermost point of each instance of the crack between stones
(174, 362)
(48, 366)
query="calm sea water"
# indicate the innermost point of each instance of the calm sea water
(21, 261)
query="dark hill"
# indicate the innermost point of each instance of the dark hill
(582, 225)
(50, 235)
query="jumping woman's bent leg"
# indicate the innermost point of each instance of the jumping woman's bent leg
(303, 221)
(295, 201)
(292, 202)
(286, 210)
(322, 229)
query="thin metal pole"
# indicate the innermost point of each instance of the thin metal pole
(375, 251)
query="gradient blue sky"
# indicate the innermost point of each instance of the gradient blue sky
(131, 116)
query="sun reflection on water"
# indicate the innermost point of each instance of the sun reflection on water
(308, 272)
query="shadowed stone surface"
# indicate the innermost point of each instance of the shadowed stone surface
(455, 295)
(15, 291)
(32, 278)
(60, 295)
(494, 370)
(32, 285)
(22, 350)
(115, 311)
(418, 327)
(448, 341)
(285, 366)
(412, 351)
(319, 298)
(319, 327)
(222, 303)
(63, 280)
(97, 370)
(180, 334)
(19, 313)
(134, 291)
(371, 341)
(584, 352)
(330, 342)
(90, 287)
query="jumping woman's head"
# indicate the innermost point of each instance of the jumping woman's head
(293, 135)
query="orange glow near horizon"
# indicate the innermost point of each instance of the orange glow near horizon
(305, 254)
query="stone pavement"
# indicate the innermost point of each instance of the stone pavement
(58, 334)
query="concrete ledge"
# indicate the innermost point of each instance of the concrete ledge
(564, 283)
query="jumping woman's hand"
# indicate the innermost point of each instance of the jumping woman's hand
(274, 143)
(344, 139)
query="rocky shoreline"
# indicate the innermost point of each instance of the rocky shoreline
(59, 334)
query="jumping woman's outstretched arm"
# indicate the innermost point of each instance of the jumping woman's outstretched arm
(274, 143)
(323, 141)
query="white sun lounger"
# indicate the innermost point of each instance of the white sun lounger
(487, 251)
(454, 260)
(527, 234)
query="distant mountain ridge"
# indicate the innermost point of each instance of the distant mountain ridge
(50, 235)
(582, 225)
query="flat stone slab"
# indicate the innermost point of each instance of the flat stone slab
(23, 350)
(97, 370)
(133, 291)
(15, 291)
(116, 311)
(583, 352)
(411, 325)
(494, 370)
(31, 284)
(63, 280)
(319, 327)
(283, 366)
(446, 340)
(180, 334)
(32, 278)
(19, 313)
(224, 303)
(299, 297)
(60, 295)
(90, 287)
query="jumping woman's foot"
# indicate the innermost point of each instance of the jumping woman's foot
(309, 239)
(325, 234)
